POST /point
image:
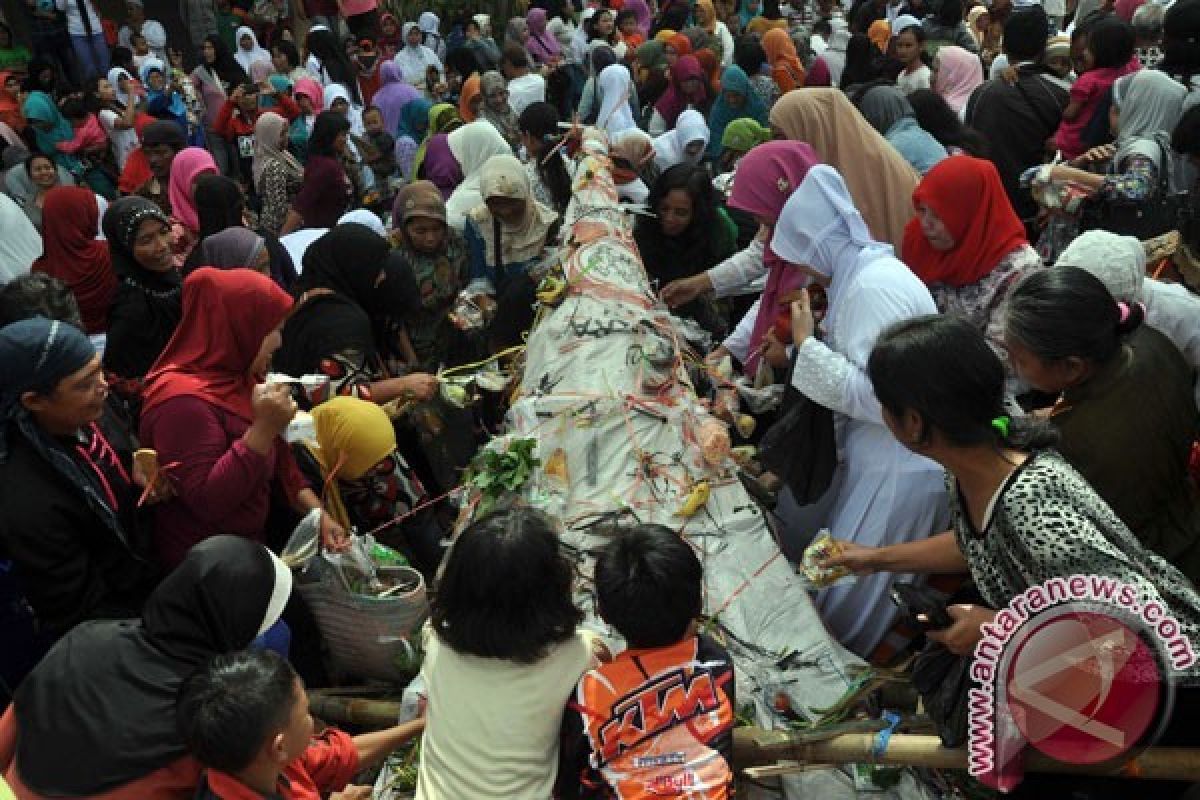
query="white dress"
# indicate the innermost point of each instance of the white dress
(882, 493)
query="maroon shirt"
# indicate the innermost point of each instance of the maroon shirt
(325, 194)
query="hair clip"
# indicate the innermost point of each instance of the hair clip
(1123, 307)
(1002, 424)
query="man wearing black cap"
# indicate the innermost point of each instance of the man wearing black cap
(1018, 119)
(161, 140)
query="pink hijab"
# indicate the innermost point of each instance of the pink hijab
(641, 13)
(313, 91)
(189, 164)
(766, 177)
(959, 73)
(675, 100)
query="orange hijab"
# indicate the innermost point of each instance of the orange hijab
(470, 90)
(786, 68)
(880, 33)
(712, 68)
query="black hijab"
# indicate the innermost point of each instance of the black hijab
(347, 261)
(99, 711)
(147, 304)
(226, 67)
(219, 204)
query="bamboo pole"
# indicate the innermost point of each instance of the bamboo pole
(759, 752)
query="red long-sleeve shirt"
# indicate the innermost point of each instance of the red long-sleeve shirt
(232, 121)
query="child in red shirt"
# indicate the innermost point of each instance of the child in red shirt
(245, 717)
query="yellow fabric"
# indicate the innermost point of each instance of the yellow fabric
(5, 792)
(664, 35)
(352, 436)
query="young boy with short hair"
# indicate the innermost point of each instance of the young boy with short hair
(658, 719)
(245, 717)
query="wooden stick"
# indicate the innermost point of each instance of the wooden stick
(761, 751)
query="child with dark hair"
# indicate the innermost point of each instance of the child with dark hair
(502, 655)
(244, 716)
(649, 587)
(1108, 56)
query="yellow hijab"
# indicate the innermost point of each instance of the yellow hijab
(352, 436)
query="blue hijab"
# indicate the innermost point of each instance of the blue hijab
(733, 79)
(171, 102)
(414, 119)
(40, 107)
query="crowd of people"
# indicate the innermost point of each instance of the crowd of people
(965, 231)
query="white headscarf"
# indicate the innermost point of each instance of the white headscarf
(366, 218)
(471, 145)
(248, 57)
(114, 77)
(20, 245)
(335, 91)
(1118, 261)
(671, 148)
(615, 86)
(505, 176)
(1149, 103)
(820, 228)
(415, 60)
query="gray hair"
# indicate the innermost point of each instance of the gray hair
(1148, 21)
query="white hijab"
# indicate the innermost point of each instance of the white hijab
(414, 61)
(255, 53)
(20, 245)
(671, 148)
(335, 91)
(114, 77)
(615, 86)
(471, 145)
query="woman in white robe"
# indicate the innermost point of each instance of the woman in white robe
(415, 59)
(881, 492)
(687, 141)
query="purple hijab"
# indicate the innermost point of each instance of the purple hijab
(674, 100)
(441, 167)
(766, 177)
(641, 12)
(392, 95)
(541, 45)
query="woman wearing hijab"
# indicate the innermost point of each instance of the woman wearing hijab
(881, 491)
(740, 137)
(541, 44)
(440, 167)
(889, 112)
(496, 109)
(437, 255)
(248, 50)
(69, 522)
(414, 125)
(957, 74)
(633, 167)
(277, 174)
(163, 101)
(202, 410)
(705, 15)
(310, 99)
(766, 178)
(507, 232)
(879, 178)
(75, 256)
(111, 674)
(737, 100)
(686, 143)
(651, 73)
(880, 34)
(415, 59)
(236, 248)
(616, 89)
(393, 94)
(688, 89)
(470, 101)
(687, 235)
(443, 118)
(189, 164)
(711, 66)
(326, 191)
(353, 288)
(50, 128)
(967, 244)
(367, 483)
(431, 35)
(10, 102)
(21, 243)
(786, 69)
(676, 47)
(472, 145)
(148, 301)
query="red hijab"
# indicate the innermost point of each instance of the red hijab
(10, 106)
(70, 222)
(711, 66)
(681, 44)
(675, 99)
(967, 195)
(226, 316)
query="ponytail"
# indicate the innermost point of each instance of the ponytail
(540, 121)
(1026, 433)
(1067, 312)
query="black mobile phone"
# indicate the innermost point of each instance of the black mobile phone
(912, 600)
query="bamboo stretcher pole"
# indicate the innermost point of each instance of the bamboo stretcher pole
(760, 752)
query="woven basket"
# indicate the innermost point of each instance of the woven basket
(368, 637)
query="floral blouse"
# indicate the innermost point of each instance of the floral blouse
(276, 189)
(440, 278)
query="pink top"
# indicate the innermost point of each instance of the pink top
(88, 136)
(1088, 90)
(221, 485)
(351, 8)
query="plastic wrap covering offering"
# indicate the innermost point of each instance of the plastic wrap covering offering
(621, 437)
